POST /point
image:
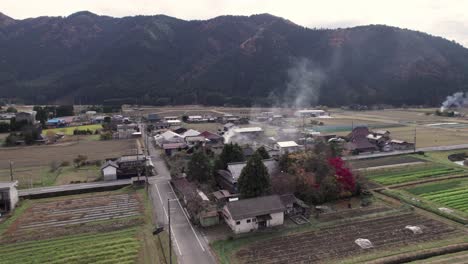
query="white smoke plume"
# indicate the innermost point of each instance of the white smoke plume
(304, 83)
(456, 100)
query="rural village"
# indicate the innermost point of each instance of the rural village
(232, 185)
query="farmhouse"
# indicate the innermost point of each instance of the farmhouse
(287, 147)
(358, 141)
(227, 179)
(214, 138)
(168, 137)
(8, 196)
(195, 140)
(252, 214)
(171, 148)
(190, 133)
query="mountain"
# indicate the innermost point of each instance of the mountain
(239, 60)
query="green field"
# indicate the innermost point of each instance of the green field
(409, 174)
(69, 130)
(452, 194)
(112, 247)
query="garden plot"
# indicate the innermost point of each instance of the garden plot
(413, 173)
(452, 194)
(76, 215)
(316, 246)
(385, 161)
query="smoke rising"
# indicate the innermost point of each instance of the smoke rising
(456, 100)
(304, 82)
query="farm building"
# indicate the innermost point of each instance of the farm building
(174, 122)
(252, 214)
(133, 165)
(294, 206)
(195, 140)
(171, 148)
(56, 122)
(358, 141)
(190, 133)
(287, 147)
(310, 113)
(153, 118)
(401, 145)
(168, 137)
(8, 196)
(227, 179)
(26, 116)
(228, 126)
(196, 119)
(188, 193)
(214, 138)
(109, 171)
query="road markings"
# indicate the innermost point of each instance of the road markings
(162, 203)
(186, 217)
(167, 217)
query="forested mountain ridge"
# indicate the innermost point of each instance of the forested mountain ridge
(260, 59)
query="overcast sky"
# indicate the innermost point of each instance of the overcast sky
(446, 18)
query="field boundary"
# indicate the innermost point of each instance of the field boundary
(420, 255)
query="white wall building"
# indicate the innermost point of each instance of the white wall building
(109, 171)
(287, 146)
(310, 113)
(248, 215)
(8, 196)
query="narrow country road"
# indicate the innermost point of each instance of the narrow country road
(188, 243)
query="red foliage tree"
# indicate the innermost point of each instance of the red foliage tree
(343, 174)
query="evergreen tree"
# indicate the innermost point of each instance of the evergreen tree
(199, 168)
(231, 153)
(263, 152)
(254, 179)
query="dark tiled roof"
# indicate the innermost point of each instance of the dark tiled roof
(253, 207)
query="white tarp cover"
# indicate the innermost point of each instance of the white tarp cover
(446, 210)
(415, 229)
(364, 243)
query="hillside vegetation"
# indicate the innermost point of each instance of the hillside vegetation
(237, 60)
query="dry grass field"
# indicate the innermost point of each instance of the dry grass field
(31, 165)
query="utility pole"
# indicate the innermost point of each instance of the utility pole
(170, 230)
(415, 139)
(11, 170)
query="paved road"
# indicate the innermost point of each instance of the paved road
(394, 153)
(73, 187)
(188, 243)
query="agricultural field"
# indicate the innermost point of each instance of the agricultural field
(109, 227)
(411, 173)
(385, 161)
(69, 130)
(454, 258)
(452, 194)
(386, 233)
(33, 165)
